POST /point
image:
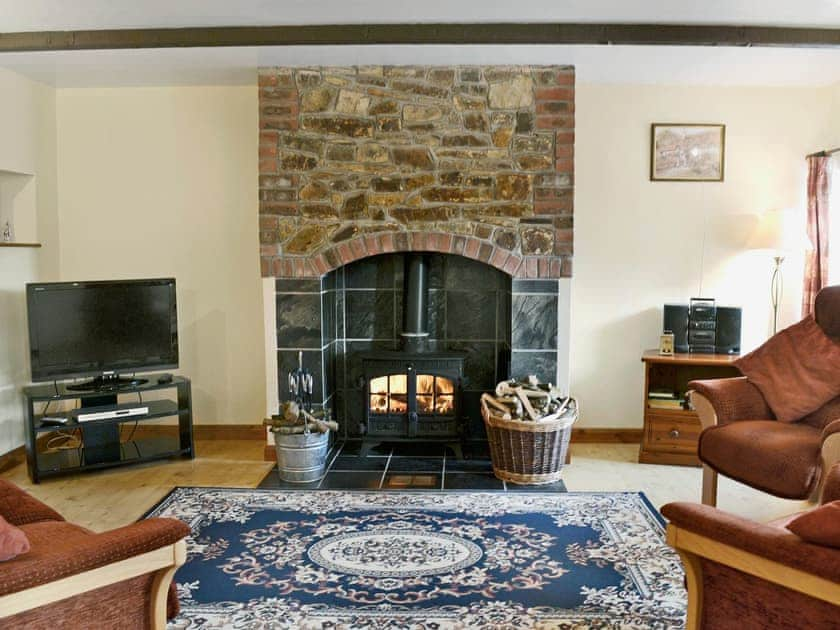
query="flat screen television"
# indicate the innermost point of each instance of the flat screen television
(101, 329)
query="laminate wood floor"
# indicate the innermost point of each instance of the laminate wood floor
(106, 499)
(112, 498)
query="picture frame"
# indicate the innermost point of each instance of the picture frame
(687, 152)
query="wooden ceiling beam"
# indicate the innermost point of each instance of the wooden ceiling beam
(408, 34)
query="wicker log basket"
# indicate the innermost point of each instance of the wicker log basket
(526, 452)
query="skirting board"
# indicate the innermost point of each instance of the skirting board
(257, 432)
(13, 458)
(205, 431)
(607, 436)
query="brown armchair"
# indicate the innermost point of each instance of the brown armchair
(747, 575)
(73, 578)
(741, 438)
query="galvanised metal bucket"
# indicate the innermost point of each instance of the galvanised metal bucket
(301, 457)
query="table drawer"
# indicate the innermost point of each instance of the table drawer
(672, 432)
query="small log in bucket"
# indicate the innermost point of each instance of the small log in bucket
(301, 457)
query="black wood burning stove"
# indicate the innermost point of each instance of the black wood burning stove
(413, 397)
(413, 394)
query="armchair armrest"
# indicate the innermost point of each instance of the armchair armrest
(154, 548)
(94, 551)
(723, 400)
(831, 485)
(729, 539)
(757, 560)
(21, 508)
(830, 456)
(831, 429)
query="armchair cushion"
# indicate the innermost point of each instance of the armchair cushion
(820, 526)
(782, 459)
(796, 370)
(13, 541)
(825, 415)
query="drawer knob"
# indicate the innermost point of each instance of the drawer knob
(674, 433)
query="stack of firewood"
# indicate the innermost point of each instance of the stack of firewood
(293, 419)
(527, 400)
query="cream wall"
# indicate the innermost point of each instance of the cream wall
(27, 180)
(163, 182)
(639, 244)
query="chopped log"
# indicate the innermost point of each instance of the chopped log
(564, 404)
(527, 401)
(526, 404)
(292, 419)
(498, 405)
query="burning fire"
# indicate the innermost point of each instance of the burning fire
(389, 394)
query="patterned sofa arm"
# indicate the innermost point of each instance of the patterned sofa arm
(21, 508)
(723, 400)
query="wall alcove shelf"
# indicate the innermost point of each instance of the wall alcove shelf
(16, 244)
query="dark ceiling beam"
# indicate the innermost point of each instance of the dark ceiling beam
(395, 34)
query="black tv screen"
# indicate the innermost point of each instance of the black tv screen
(92, 328)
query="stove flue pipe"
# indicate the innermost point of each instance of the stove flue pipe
(416, 303)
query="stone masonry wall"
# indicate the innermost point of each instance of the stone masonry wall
(358, 161)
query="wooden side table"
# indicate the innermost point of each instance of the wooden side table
(670, 435)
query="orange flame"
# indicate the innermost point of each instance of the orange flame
(435, 394)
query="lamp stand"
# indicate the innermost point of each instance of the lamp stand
(776, 289)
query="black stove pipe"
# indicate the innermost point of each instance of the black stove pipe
(416, 303)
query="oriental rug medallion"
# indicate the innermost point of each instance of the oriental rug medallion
(411, 560)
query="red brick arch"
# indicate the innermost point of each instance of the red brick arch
(366, 245)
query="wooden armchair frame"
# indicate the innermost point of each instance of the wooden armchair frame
(163, 562)
(693, 547)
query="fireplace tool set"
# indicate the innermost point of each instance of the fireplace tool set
(296, 415)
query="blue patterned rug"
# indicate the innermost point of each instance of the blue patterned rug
(412, 560)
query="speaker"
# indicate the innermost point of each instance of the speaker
(728, 330)
(675, 319)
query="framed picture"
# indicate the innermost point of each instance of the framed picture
(686, 152)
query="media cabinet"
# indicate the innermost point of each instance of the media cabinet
(107, 443)
(670, 435)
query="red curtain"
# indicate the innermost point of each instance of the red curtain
(816, 259)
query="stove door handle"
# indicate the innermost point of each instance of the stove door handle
(412, 424)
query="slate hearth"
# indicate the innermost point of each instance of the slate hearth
(505, 326)
(407, 467)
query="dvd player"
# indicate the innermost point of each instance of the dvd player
(112, 413)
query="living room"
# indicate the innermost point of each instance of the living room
(288, 179)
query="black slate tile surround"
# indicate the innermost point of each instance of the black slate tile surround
(407, 467)
(505, 327)
(534, 328)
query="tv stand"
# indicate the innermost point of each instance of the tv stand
(107, 383)
(119, 441)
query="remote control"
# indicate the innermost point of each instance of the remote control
(55, 421)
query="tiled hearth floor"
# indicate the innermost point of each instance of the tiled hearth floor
(407, 467)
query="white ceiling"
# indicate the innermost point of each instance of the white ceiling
(595, 64)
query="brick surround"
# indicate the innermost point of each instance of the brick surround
(470, 160)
